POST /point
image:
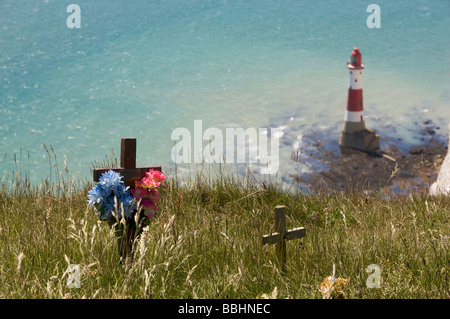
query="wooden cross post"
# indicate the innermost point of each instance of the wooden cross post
(130, 174)
(281, 235)
(127, 168)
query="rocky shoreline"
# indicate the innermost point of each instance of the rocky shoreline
(402, 171)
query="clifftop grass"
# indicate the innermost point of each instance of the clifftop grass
(206, 242)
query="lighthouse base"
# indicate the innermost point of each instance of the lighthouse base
(365, 140)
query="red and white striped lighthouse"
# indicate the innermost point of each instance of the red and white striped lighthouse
(354, 133)
(354, 112)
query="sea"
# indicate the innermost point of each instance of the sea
(143, 68)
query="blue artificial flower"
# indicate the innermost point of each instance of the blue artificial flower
(110, 186)
(94, 195)
(110, 182)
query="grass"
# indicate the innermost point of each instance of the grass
(206, 242)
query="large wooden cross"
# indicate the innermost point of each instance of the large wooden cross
(127, 168)
(130, 174)
(281, 235)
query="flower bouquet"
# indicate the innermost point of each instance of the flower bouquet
(127, 210)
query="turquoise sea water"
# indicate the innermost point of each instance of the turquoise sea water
(143, 68)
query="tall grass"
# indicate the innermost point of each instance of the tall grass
(206, 242)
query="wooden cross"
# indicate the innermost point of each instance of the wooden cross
(127, 168)
(130, 174)
(281, 235)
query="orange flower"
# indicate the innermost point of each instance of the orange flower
(332, 287)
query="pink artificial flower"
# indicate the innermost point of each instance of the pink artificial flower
(138, 192)
(142, 183)
(150, 208)
(153, 194)
(147, 203)
(146, 192)
(156, 175)
(152, 179)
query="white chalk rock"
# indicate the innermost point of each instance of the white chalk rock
(442, 184)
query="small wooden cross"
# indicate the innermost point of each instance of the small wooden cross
(127, 168)
(281, 235)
